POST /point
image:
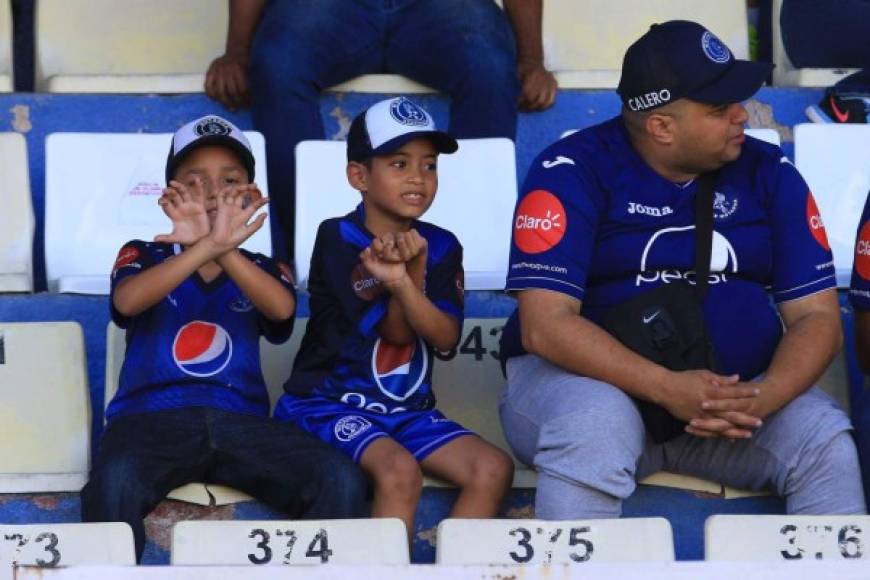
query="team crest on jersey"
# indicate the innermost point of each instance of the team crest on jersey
(714, 48)
(862, 252)
(202, 349)
(723, 206)
(212, 126)
(540, 222)
(241, 304)
(399, 370)
(350, 427)
(815, 223)
(407, 113)
(126, 257)
(364, 284)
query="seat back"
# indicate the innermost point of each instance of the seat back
(475, 201)
(61, 545)
(584, 42)
(470, 542)
(835, 161)
(785, 538)
(45, 407)
(16, 219)
(6, 84)
(135, 46)
(277, 543)
(101, 190)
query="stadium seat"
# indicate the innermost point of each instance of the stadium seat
(476, 197)
(469, 542)
(833, 159)
(135, 46)
(277, 543)
(45, 408)
(101, 190)
(62, 545)
(16, 220)
(786, 75)
(778, 538)
(6, 84)
(584, 42)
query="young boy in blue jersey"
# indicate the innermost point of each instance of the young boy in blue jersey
(192, 404)
(387, 289)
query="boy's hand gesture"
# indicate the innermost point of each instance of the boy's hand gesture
(185, 206)
(235, 207)
(401, 247)
(388, 271)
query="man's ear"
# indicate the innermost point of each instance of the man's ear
(660, 127)
(357, 176)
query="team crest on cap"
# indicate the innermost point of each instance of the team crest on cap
(714, 48)
(202, 349)
(407, 113)
(399, 370)
(350, 427)
(212, 126)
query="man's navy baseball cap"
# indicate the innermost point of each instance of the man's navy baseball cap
(682, 59)
(387, 125)
(209, 130)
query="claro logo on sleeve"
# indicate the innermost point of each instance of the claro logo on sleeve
(540, 222)
(814, 220)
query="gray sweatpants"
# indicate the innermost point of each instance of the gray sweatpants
(587, 441)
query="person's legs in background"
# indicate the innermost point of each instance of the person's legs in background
(464, 48)
(299, 49)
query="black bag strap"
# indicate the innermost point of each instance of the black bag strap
(703, 232)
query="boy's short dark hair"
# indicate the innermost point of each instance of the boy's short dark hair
(209, 130)
(387, 125)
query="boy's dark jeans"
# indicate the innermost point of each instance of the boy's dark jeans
(142, 457)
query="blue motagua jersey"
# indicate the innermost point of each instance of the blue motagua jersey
(595, 222)
(342, 356)
(199, 346)
(859, 292)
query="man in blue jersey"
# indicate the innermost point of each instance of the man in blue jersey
(607, 215)
(192, 404)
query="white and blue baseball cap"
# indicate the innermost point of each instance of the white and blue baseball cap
(209, 130)
(682, 59)
(387, 125)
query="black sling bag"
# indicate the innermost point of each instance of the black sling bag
(666, 324)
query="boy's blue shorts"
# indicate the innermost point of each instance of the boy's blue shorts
(352, 430)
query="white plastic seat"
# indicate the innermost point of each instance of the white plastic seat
(584, 42)
(470, 542)
(475, 201)
(16, 219)
(45, 407)
(6, 84)
(135, 46)
(785, 538)
(785, 74)
(835, 161)
(277, 543)
(61, 545)
(101, 190)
